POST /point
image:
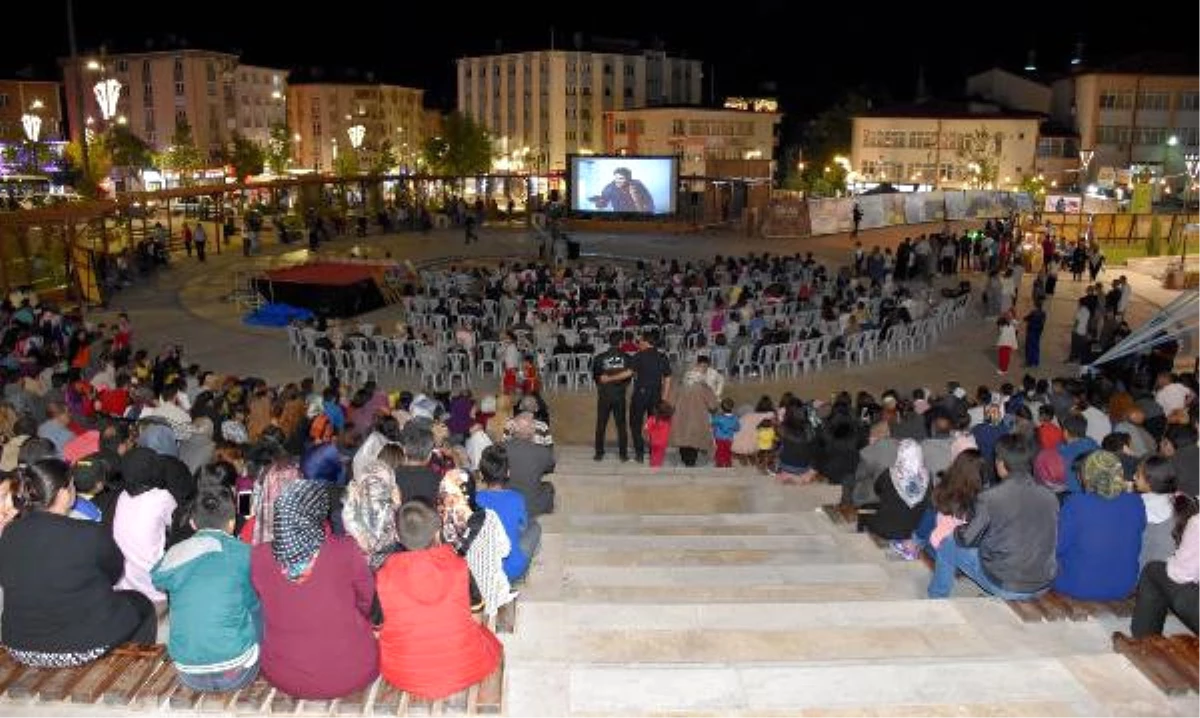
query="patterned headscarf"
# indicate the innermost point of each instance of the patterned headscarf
(369, 511)
(454, 506)
(1103, 475)
(275, 479)
(299, 525)
(909, 475)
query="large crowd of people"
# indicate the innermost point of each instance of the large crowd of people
(322, 536)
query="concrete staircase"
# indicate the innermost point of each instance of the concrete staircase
(718, 592)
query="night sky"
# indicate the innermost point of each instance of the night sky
(809, 58)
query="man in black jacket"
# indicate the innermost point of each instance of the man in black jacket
(1008, 547)
(611, 372)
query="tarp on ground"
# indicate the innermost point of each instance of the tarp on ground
(276, 315)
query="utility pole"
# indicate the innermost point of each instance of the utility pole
(79, 96)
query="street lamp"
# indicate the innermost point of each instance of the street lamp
(1085, 159)
(33, 126)
(357, 132)
(108, 92)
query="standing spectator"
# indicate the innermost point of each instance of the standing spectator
(1035, 324)
(725, 427)
(658, 432)
(651, 384)
(187, 239)
(1006, 344)
(611, 373)
(201, 240)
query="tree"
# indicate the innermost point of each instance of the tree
(87, 183)
(182, 156)
(346, 164)
(383, 160)
(28, 158)
(127, 149)
(246, 156)
(980, 152)
(278, 153)
(463, 148)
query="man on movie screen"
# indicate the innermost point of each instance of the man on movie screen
(624, 194)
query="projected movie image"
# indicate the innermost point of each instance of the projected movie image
(629, 185)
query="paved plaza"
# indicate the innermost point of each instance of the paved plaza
(187, 304)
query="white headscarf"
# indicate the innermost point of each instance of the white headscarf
(909, 475)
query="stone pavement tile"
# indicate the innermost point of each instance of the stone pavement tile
(684, 577)
(645, 689)
(701, 557)
(1002, 709)
(536, 689)
(802, 543)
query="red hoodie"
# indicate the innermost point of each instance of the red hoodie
(430, 645)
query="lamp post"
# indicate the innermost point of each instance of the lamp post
(108, 93)
(1192, 160)
(1085, 159)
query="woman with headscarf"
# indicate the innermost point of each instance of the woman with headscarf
(260, 527)
(903, 492)
(477, 535)
(143, 516)
(369, 511)
(316, 591)
(691, 425)
(1100, 534)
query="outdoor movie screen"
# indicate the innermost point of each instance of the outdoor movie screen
(636, 185)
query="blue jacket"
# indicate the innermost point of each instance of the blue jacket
(215, 615)
(724, 426)
(1099, 542)
(1071, 451)
(509, 506)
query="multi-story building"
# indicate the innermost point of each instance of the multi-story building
(1142, 112)
(21, 97)
(709, 142)
(322, 113)
(161, 89)
(945, 145)
(554, 101)
(261, 101)
(1010, 90)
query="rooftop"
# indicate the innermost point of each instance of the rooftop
(951, 109)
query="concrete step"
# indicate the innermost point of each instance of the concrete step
(1072, 685)
(643, 550)
(684, 524)
(690, 633)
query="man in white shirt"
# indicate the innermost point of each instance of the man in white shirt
(1170, 394)
(1126, 296)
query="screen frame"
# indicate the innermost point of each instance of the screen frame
(571, 173)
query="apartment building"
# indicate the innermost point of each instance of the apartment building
(710, 142)
(210, 91)
(322, 112)
(553, 102)
(40, 98)
(1139, 112)
(948, 145)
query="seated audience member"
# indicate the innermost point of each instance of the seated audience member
(1049, 435)
(954, 496)
(260, 526)
(1179, 444)
(215, 621)
(1155, 481)
(57, 574)
(1171, 586)
(1076, 443)
(524, 535)
(528, 462)
(415, 479)
(903, 492)
(94, 500)
(316, 592)
(1100, 534)
(477, 535)
(144, 514)
(369, 511)
(1008, 545)
(873, 459)
(429, 643)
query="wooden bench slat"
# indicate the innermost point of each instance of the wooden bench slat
(1122, 608)
(64, 682)
(491, 692)
(1152, 664)
(156, 692)
(253, 698)
(1178, 657)
(402, 705)
(387, 698)
(353, 704)
(1028, 611)
(1062, 606)
(182, 697)
(135, 675)
(28, 683)
(108, 669)
(282, 702)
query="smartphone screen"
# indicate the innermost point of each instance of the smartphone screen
(244, 503)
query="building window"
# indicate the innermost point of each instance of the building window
(1116, 100)
(619, 127)
(145, 71)
(571, 135)
(1189, 101)
(210, 72)
(179, 89)
(181, 117)
(629, 71)
(467, 73)
(178, 70)
(3, 100)
(122, 65)
(212, 89)
(148, 119)
(1187, 136)
(677, 127)
(1112, 135)
(628, 93)
(1150, 136)
(1154, 100)
(922, 140)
